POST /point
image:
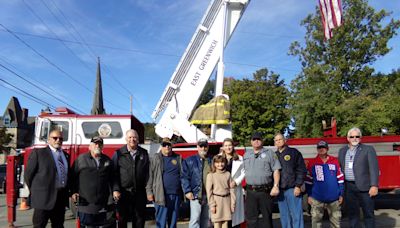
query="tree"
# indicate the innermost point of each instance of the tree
(5, 139)
(258, 105)
(150, 132)
(336, 73)
(207, 94)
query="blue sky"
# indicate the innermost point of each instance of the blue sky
(139, 43)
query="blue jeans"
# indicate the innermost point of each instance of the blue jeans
(290, 209)
(168, 214)
(354, 198)
(199, 213)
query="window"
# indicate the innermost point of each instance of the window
(104, 129)
(63, 126)
(7, 120)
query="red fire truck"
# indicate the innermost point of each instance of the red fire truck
(77, 131)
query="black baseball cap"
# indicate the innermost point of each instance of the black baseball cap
(257, 135)
(202, 142)
(322, 144)
(97, 140)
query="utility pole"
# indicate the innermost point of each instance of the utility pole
(130, 101)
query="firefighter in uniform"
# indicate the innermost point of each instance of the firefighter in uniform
(262, 177)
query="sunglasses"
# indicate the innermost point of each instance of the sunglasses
(203, 145)
(57, 138)
(254, 139)
(357, 137)
(164, 144)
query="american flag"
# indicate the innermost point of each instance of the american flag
(331, 15)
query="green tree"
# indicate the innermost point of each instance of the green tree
(5, 139)
(207, 94)
(258, 105)
(150, 132)
(336, 73)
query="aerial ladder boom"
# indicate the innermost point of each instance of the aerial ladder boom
(199, 60)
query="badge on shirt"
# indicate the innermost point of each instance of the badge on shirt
(286, 157)
(350, 165)
(106, 163)
(174, 162)
(263, 155)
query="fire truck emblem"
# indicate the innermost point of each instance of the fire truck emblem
(287, 157)
(104, 130)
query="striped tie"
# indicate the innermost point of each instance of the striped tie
(62, 169)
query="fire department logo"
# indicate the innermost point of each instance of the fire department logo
(174, 162)
(287, 157)
(104, 130)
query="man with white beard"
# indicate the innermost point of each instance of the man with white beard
(361, 172)
(92, 182)
(194, 175)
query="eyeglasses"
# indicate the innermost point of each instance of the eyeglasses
(57, 138)
(357, 137)
(164, 144)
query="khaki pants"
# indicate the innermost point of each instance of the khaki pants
(317, 213)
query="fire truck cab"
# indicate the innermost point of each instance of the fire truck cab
(78, 129)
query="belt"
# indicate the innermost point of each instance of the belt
(222, 195)
(351, 182)
(258, 188)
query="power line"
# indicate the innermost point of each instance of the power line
(54, 65)
(83, 40)
(36, 86)
(38, 100)
(57, 37)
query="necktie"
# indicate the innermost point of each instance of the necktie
(62, 169)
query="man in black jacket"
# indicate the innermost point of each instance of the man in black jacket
(292, 178)
(46, 175)
(131, 165)
(92, 179)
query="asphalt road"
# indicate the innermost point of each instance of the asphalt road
(387, 215)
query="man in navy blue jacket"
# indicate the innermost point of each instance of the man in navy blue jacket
(194, 174)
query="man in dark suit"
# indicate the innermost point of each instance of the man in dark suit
(131, 165)
(46, 175)
(360, 167)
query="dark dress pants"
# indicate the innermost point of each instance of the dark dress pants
(41, 217)
(355, 198)
(133, 205)
(258, 201)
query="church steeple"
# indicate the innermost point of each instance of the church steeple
(98, 107)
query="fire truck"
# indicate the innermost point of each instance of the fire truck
(203, 56)
(77, 132)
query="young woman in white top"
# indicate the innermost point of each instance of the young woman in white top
(235, 167)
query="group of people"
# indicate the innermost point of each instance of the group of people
(211, 184)
(95, 183)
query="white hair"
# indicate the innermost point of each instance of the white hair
(354, 129)
(133, 131)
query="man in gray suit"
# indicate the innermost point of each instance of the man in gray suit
(360, 167)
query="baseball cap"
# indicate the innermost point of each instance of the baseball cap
(166, 141)
(202, 142)
(257, 135)
(323, 144)
(97, 140)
